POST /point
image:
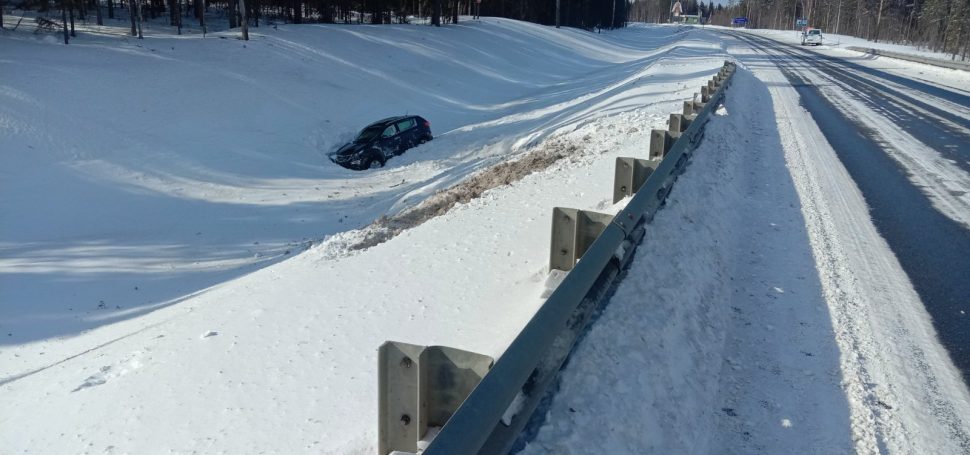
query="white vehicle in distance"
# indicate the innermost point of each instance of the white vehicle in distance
(812, 36)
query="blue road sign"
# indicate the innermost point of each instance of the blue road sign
(801, 22)
(740, 20)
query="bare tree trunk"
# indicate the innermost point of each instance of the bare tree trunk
(111, 9)
(64, 20)
(97, 8)
(838, 16)
(436, 13)
(141, 19)
(131, 14)
(243, 21)
(454, 14)
(298, 12)
(72, 19)
(879, 19)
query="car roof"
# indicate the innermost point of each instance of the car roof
(390, 120)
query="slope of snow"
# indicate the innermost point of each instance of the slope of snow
(177, 166)
(181, 163)
(177, 271)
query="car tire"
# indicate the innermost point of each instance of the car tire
(374, 161)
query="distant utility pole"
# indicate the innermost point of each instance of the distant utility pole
(557, 13)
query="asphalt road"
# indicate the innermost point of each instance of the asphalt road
(933, 249)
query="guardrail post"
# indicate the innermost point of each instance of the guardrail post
(630, 175)
(678, 123)
(421, 387)
(660, 143)
(705, 94)
(573, 231)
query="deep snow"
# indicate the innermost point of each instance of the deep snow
(184, 164)
(169, 177)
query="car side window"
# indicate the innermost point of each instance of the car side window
(390, 131)
(405, 125)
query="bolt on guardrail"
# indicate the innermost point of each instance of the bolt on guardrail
(595, 248)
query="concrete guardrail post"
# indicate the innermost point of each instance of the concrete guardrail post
(660, 143)
(421, 387)
(679, 123)
(573, 231)
(629, 176)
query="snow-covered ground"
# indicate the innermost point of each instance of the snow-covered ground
(181, 269)
(146, 180)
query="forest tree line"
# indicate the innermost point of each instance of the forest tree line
(937, 25)
(587, 14)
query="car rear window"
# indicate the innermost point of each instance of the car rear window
(405, 125)
(814, 32)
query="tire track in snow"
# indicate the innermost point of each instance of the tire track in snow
(892, 365)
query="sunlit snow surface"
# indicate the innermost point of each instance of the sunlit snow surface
(174, 274)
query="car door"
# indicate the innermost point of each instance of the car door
(390, 141)
(406, 129)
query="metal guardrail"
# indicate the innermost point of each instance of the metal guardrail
(493, 415)
(952, 64)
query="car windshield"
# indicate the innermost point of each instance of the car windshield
(369, 133)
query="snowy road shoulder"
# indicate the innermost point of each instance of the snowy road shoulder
(710, 327)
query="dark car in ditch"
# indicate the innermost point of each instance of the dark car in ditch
(381, 140)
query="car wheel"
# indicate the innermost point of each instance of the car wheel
(375, 160)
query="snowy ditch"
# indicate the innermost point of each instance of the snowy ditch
(490, 419)
(388, 227)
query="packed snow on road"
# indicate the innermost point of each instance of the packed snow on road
(183, 270)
